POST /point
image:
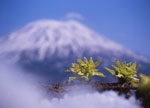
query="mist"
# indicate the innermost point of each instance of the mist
(21, 90)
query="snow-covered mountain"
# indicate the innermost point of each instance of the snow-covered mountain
(58, 43)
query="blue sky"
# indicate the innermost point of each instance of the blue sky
(124, 21)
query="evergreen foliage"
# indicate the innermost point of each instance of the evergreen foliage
(84, 70)
(125, 72)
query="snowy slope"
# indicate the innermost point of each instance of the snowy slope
(48, 47)
(49, 36)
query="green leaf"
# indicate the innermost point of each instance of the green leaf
(86, 61)
(111, 71)
(80, 61)
(71, 78)
(116, 68)
(95, 70)
(99, 74)
(119, 75)
(80, 73)
(123, 64)
(91, 61)
(67, 70)
(97, 63)
(117, 63)
(85, 78)
(138, 67)
(133, 66)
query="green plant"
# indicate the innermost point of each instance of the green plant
(125, 72)
(85, 70)
(144, 84)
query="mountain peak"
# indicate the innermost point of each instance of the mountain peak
(49, 36)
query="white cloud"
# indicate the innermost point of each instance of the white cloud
(73, 15)
(17, 91)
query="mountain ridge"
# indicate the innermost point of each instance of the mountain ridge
(57, 35)
(48, 47)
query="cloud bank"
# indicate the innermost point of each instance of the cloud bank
(18, 91)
